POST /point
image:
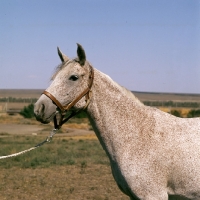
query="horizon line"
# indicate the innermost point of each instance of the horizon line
(133, 91)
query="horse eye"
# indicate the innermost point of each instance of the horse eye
(73, 78)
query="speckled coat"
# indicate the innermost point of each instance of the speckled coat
(153, 155)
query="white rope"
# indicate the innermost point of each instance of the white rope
(17, 154)
(48, 139)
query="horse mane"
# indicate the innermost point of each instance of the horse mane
(60, 67)
(131, 95)
(122, 89)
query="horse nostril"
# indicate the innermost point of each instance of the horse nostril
(41, 108)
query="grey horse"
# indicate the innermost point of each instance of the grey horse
(153, 155)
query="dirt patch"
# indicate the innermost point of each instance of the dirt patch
(20, 129)
(17, 125)
(69, 182)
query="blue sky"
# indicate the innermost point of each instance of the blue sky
(144, 45)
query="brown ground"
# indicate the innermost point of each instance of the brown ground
(67, 182)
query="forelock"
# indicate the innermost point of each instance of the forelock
(59, 68)
(62, 65)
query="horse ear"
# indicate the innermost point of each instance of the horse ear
(62, 56)
(81, 54)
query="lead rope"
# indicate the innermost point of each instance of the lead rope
(48, 139)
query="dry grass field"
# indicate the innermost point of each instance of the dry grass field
(143, 96)
(20, 93)
(147, 96)
(17, 93)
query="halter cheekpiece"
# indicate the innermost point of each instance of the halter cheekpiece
(65, 108)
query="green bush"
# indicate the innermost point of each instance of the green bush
(81, 114)
(193, 113)
(176, 113)
(28, 111)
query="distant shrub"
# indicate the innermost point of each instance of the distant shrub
(172, 104)
(193, 113)
(28, 111)
(81, 114)
(176, 113)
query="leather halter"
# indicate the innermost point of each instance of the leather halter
(67, 107)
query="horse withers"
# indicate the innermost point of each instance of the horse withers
(153, 155)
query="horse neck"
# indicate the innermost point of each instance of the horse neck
(108, 94)
(110, 105)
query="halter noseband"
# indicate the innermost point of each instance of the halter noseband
(67, 107)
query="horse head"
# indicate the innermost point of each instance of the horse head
(69, 85)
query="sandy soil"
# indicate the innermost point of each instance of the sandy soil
(20, 129)
(7, 130)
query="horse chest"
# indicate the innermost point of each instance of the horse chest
(120, 178)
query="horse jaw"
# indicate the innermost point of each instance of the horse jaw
(44, 110)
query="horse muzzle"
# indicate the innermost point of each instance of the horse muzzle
(44, 110)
